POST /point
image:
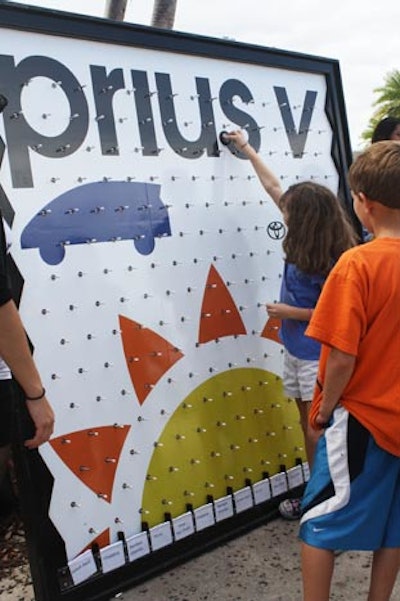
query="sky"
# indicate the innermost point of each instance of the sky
(361, 34)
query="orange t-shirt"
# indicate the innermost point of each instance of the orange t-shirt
(358, 313)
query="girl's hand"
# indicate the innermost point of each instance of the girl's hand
(238, 137)
(279, 310)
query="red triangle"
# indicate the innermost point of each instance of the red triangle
(148, 356)
(93, 455)
(219, 314)
(271, 330)
(102, 540)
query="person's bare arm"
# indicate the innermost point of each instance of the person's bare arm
(285, 311)
(43, 417)
(14, 349)
(267, 178)
(339, 369)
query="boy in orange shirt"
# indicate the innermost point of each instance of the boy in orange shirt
(352, 500)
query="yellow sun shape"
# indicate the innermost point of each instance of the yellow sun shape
(227, 432)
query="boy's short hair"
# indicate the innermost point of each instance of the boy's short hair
(376, 173)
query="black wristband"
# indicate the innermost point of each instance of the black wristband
(36, 398)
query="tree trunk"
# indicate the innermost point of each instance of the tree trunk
(164, 14)
(115, 9)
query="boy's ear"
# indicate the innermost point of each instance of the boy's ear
(365, 200)
(362, 196)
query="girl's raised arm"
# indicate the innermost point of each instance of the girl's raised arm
(268, 179)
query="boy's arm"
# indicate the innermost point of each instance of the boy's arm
(339, 369)
(268, 179)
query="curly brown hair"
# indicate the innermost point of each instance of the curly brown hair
(318, 228)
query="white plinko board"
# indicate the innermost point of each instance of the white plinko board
(148, 250)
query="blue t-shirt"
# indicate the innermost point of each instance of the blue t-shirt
(299, 290)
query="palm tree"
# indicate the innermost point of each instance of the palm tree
(387, 103)
(115, 9)
(164, 14)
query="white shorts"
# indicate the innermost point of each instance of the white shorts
(299, 377)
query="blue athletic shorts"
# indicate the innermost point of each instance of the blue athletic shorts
(352, 500)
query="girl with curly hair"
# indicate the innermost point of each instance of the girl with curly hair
(318, 231)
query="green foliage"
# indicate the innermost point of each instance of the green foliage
(387, 104)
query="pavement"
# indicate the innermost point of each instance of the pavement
(261, 565)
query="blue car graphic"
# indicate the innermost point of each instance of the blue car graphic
(99, 212)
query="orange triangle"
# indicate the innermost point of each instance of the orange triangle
(219, 314)
(271, 330)
(148, 356)
(93, 455)
(102, 540)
